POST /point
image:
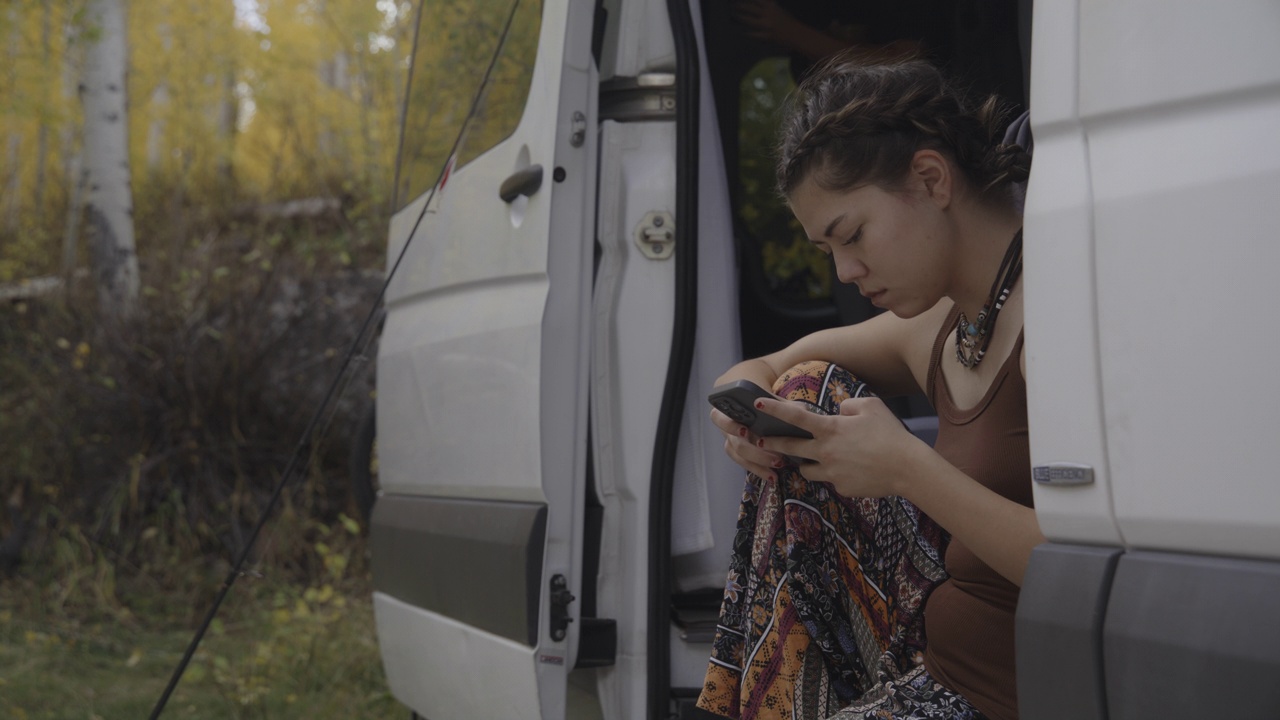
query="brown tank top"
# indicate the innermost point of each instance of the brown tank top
(969, 618)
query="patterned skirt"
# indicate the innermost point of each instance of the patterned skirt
(824, 601)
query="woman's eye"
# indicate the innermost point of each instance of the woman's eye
(855, 237)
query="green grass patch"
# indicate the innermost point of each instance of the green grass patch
(282, 652)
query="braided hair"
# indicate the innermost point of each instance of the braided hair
(851, 124)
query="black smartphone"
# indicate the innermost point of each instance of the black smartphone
(738, 400)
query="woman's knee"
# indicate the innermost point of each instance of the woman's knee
(802, 379)
(820, 383)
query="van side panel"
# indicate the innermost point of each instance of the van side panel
(1151, 218)
(1059, 632)
(1064, 405)
(1181, 107)
(477, 562)
(448, 362)
(482, 405)
(1147, 53)
(420, 649)
(1193, 637)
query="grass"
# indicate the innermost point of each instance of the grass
(278, 650)
(137, 456)
(80, 641)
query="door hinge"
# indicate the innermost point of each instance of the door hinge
(560, 599)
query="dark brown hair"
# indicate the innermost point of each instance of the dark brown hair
(852, 124)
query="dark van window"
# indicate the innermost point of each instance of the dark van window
(795, 271)
(456, 39)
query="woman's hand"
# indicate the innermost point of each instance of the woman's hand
(768, 21)
(863, 452)
(742, 446)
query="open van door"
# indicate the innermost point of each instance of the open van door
(482, 367)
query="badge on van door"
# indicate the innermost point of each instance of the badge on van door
(1062, 474)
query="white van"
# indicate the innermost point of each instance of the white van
(553, 526)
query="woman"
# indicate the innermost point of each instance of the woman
(837, 599)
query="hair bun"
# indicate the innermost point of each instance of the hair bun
(849, 124)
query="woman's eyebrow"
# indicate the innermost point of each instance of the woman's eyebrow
(832, 226)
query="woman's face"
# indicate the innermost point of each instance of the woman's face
(891, 244)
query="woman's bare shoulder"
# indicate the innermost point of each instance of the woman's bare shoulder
(890, 352)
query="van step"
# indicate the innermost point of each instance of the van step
(697, 614)
(597, 643)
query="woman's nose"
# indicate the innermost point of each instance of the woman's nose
(849, 270)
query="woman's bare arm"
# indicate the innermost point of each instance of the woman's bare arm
(999, 531)
(865, 452)
(886, 352)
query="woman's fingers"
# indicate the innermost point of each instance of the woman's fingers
(859, 406)
(743, 448)
(752, 13)
(749, 461)
(793, 412)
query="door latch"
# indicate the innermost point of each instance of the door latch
(656, 235)
(578, 129)
(560, 599)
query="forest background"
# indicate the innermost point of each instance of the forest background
(194, 198)
(142, 429)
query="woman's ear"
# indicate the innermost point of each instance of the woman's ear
(931, 173)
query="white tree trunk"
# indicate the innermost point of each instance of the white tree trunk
(109, 197)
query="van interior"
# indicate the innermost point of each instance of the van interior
(786, 288)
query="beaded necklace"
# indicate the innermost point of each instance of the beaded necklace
(972, 338)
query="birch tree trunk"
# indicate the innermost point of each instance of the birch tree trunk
(109, 197)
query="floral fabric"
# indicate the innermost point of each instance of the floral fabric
(825, 594)
(914, 696)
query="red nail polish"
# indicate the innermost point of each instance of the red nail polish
(760, 442)
(742, 432)
(759, 405)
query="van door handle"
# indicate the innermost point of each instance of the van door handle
(522, 182)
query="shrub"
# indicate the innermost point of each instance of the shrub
(151, 447)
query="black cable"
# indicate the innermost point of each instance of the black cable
(680, 360)
(300, 458)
